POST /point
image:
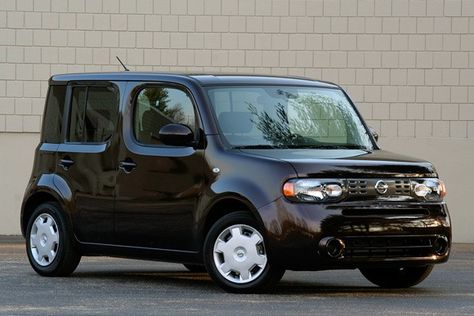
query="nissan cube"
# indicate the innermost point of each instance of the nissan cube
(240, 176)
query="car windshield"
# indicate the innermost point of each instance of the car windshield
(287, 117)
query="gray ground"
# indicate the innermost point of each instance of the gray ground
(116, 286)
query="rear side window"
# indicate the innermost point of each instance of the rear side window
(157, 106)
(94, 112)
(53, 115)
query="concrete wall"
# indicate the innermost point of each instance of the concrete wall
(16, 161)
(409, 65)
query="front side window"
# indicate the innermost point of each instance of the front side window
(156, 107)
(53, 115)
(94, 112)
(287, 117)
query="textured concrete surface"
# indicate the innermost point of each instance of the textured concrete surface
(124, 287)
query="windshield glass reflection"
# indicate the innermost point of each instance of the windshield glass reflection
(287, 117)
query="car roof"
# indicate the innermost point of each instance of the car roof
(201, 79)
(239, 79)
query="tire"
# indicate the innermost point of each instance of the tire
(402, 277)
(196, 268)
(235, 255)
(49, 242)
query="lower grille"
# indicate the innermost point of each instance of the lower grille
(389, 247)
(386, 212)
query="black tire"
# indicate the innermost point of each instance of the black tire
(401, 277)
(67, 256)
(196, 268)
(269, 275)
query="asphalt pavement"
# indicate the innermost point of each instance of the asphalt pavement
(110, 286)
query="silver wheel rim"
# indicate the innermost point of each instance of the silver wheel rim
(44, 239)
(239, 254)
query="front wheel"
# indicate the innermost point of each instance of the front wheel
(49, 242)
(235, 255)
(401, 277)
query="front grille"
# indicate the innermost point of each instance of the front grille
(361, 247)
(357, 187)
(363, 188)
(402, 187)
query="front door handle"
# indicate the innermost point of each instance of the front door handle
(127, 165)
(65, 163)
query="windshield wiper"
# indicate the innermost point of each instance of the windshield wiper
(254, 147)
(330, 146)
(305, 146)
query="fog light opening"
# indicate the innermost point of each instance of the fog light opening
(440, 245)
(333, 247)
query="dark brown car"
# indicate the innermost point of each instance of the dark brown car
(240, 176)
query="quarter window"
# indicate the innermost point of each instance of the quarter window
(94, 112)
(53, 115)
(157, 106)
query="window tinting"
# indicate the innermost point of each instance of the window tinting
(53, 115)
(94, 112)
(157, 106)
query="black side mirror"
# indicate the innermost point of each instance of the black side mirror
(176, 135)
(374, 133)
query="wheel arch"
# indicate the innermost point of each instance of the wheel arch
(41, 191)
(30, 205)
(225, 205)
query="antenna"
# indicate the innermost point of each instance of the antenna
(123, 65)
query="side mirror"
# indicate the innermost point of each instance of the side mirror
(176, 135)
(374, 133)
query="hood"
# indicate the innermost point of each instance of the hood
(346, 163)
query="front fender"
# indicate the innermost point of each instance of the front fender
(244, 190)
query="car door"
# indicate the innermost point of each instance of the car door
(159, 185)
(87, 158)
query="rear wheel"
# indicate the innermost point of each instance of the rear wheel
(401, 277)
(195, 268)
(49, 244)
(236, 257)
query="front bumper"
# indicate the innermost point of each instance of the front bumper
(373, 233)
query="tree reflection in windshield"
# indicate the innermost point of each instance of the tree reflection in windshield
(289, 117)
(312, 118)
(277, 131)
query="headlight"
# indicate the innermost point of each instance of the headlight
(429, 189)
(312, 190)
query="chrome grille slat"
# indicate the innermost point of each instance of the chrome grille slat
(361, 187)
(357, 187)
(402, 187)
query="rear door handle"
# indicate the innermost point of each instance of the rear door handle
(65, 163)
(127, 165)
